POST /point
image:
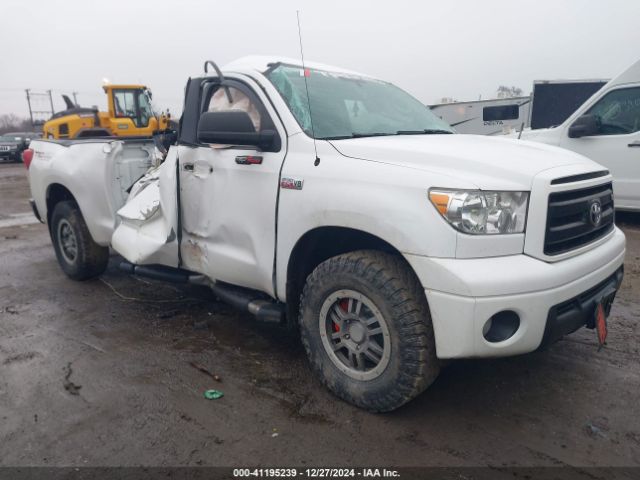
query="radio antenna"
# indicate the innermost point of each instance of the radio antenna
(306, 87)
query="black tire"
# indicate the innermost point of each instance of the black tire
(89, 259)
(391, 286)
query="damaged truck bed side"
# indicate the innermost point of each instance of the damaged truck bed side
(352, 212)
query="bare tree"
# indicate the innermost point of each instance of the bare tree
(10, 122)
(504, 91)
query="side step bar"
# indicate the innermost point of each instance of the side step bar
(242, 299)
(256, 303)
(157, 272)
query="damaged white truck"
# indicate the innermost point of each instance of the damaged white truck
(337, 203)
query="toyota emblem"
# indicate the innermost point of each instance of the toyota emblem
(595, 213)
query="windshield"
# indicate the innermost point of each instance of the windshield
(146, 111)
(134, 104)
(349, 106)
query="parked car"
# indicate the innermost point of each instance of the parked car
(357, 217)
(11, 146)
(14, 143)
(606, 128)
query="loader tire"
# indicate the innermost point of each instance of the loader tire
(78, 255)
(366, 328)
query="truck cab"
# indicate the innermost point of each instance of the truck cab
(130, 111)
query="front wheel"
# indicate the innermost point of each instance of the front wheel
(78, 255)
(365, 325)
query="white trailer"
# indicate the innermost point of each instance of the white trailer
(486, 117)
(550, 103)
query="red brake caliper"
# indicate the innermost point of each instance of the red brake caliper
(344, 305)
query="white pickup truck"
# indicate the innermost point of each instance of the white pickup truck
(353, 214)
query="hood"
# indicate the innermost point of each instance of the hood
(487, 162)
(551, 136)
(13, 143)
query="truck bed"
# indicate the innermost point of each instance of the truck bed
(96, 173)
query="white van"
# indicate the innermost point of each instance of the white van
(606, 128)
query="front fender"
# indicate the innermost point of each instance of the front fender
(385, 201)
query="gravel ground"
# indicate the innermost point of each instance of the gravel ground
(99, 373)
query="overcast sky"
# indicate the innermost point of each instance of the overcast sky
(459, 49)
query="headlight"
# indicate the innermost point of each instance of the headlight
(479, 212)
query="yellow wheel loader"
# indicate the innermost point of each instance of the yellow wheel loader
(130, 115)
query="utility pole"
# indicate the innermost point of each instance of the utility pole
(51, 101)
(29, 103)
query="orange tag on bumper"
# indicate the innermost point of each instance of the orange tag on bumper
(601, 324)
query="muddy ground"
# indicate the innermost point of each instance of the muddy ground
(98, 373)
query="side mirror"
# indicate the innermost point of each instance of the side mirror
(584, 126)
(233, 128)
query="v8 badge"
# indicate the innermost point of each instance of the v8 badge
(291, 183)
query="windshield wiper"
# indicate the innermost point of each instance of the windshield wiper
(385, 134)
(336, 137)
(357, 135)
(426, 131)
(374, 134)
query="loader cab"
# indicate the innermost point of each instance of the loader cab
(130, 111)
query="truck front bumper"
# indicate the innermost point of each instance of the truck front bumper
(11, 155)
(547, 299)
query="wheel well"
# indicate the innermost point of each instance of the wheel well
(318, 245)
(56, 193)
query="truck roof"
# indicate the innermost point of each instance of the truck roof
(480, 102)
(261, 63)
(630, 75)
(127, 86)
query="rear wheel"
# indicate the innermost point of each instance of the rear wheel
(78, 255)
(366, 327)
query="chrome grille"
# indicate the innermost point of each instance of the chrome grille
(572, 218)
